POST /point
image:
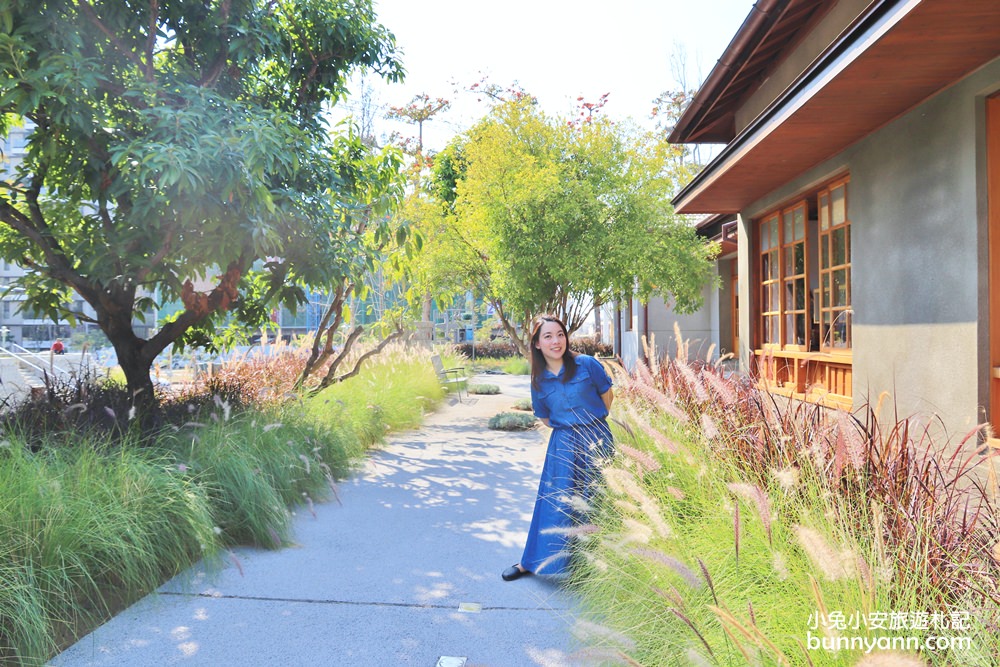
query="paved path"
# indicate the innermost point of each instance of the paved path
(384, 579)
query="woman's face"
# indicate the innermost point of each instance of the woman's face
(551, 341)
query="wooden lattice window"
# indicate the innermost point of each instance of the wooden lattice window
(835, 312)
(795, 334)
(770, 281)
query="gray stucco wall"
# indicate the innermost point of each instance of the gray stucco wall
(918, 255)
(699, 329)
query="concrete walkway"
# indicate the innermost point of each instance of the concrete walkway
(406, 571)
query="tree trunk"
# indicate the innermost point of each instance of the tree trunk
(597, 319)
(136, 364)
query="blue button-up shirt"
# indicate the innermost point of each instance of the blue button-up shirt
(576, 402)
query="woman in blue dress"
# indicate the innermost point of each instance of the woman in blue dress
(572, 394)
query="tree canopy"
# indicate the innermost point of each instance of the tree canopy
(546, 214)
(180, 152)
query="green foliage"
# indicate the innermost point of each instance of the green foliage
(517, 366)
(511, 421)
(540, 214)
(173, 144)
(484, 389)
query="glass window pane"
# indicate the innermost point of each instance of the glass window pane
(799, 301)
(765, 238)
(824, 251)
(774, 305)
(799, 253)
(840, 288)
(800, 224)
(824, 212)
(839, 247)
(825, 292)
(825, 332)
(773, 226)
(788, 238)
(838, 210)
(800, 329)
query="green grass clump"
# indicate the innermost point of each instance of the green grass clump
(517, 366)
(511, 421)
(484, 389)
(523, 404)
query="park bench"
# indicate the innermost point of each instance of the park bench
(449, 377)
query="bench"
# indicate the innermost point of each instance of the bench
(449, 377)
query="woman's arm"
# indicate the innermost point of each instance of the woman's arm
(608, 397)
(545, 420)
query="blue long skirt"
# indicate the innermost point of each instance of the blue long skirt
(569, 475)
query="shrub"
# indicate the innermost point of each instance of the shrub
(589, 345)
(483, 389)
(523, 404)
(511, 421)
(494, 349)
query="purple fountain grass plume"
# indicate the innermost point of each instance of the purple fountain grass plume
(736, 530)
(708, 427)
(236, 562)
(583, 530)
(684, 619)
(601, 565)
(788, 477)
(644, 460)
(866, 574)
(758, 497)
(623, 483)
(659, 400)
(721, 388)
(636, 532)
(780, 566)
(675, 492)
(708, 579)
(577, 503)
(643, 375)
(692, 380)
(662, 442)
(831, 563)
(673, 595)
(677, 566)
(649, 349)
(682, 346)
(540, 569)
(855, 444)
(753, 618)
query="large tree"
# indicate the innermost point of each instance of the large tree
(555, 215)
(180, 145)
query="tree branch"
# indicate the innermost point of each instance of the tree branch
(120, 46)
(329, 380)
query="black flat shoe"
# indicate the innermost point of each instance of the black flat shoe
(513, 572)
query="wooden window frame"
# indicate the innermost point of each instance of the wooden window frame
(789, 292)
(832, 315)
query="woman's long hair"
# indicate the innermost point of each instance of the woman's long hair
(538, 359)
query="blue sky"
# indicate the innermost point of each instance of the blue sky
(557, 50)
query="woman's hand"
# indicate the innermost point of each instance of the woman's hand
(608, 397)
